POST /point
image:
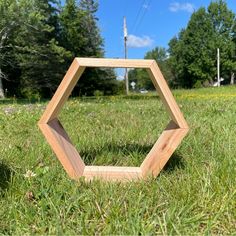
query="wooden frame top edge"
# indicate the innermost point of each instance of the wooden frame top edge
(114, 63)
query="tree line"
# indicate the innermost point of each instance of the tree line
(40, 38)
(38, 41)
(191, 59)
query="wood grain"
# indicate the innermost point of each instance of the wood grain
(114, 63)
(68, 155)
(63, 148)
(63, 92)
(162, 150)
(166, 96)
(112, 173)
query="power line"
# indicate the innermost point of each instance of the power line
(142, 16)
(138, 15)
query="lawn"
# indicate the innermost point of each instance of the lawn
(195, 193)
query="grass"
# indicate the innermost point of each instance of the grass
(195, 194)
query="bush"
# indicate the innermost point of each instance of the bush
(31, 94)
(98, 93)
(198, 84)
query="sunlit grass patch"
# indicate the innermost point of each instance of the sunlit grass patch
(194, 194)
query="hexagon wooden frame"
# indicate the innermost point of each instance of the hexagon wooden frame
(65, 150)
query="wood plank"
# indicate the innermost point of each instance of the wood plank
(162, 150)
(63, 148)
(68, 155)
(63, 92)
(166, 95)
(112, 173)
(114, 63)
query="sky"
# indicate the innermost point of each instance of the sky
(150, 23)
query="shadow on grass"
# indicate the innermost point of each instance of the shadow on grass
(175, 161)
(5, 176)
(125, 150)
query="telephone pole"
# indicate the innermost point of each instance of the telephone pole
(125, 45)
(218, 66)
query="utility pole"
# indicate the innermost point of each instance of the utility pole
(126, 69)
(218, 67)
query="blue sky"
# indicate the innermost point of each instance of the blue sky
(150, 23)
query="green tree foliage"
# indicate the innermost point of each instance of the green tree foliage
(161, 56)
(79, 31)
(81, 36)
(39, 55)
(141, 77)
(38, 41)
(9, 23)
(193, 52)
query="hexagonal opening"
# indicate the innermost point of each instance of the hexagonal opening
(65, 150)
(114, 131)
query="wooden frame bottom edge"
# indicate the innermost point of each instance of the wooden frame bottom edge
(107, 173)
(112, 173)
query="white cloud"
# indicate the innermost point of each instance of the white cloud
(139, 42)
(176, 6)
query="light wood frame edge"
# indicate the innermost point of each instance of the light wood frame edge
(68, 155)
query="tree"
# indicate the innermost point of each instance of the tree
(141, 77)
(9, 23)
(176, 60)
(232, 80)
(38, 41)
(39, 55)
(161, 56)
(223, 21)
(193, 52)
(81, 36)
(79, 31)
